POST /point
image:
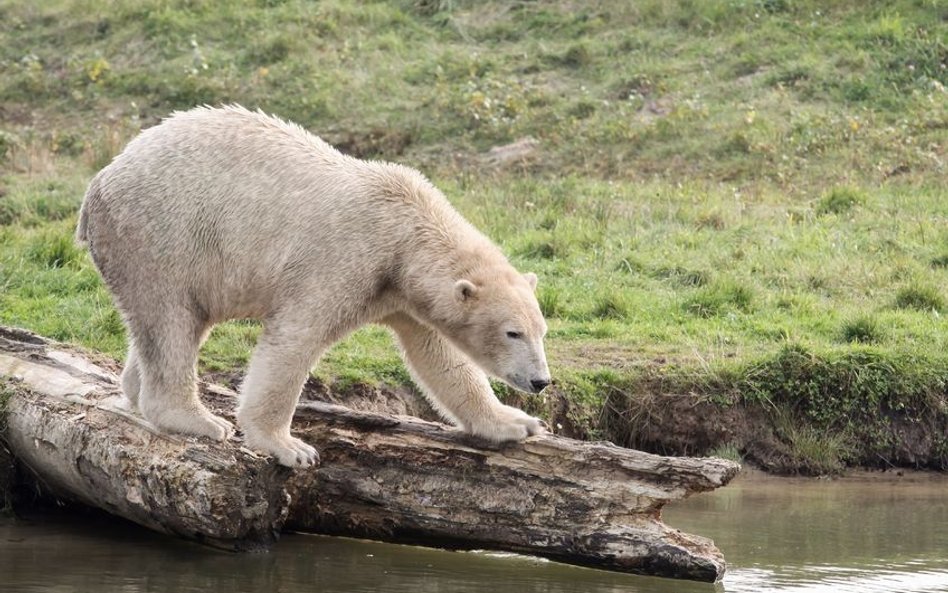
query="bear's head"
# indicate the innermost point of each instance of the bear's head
(498, 324)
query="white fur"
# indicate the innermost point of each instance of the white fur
(224, 213)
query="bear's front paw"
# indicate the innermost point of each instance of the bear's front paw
(506, 423)
(289, 451)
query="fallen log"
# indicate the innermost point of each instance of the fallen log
(391, 478)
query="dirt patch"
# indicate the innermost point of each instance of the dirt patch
(376, 143)
(521, 152)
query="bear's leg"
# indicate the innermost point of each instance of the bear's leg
(131, 377)
(455, 386)
(268, 396)
(166, 350)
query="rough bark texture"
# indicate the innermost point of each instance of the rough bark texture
(62, 424)
(392, 478)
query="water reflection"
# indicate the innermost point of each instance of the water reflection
(778, 535)
(860, 534)
(68, 555)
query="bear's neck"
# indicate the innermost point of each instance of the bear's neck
(428, 285)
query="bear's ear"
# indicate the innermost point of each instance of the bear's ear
(531, 279)
(464, 290)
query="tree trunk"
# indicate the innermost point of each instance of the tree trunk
(391, 478)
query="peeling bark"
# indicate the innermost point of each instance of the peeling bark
(391, 478)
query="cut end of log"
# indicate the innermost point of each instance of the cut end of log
(384, 477)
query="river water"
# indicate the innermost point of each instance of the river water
(859, 534)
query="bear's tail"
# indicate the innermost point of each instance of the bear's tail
(82, 228)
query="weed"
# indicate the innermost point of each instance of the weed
(42, 203)
(719, 298)
(545, 248)
(832, 403)
(630, 265)
(711, 220)
(549, 299)
(920, 298)
(576, 56)
(611, 306)
(109, 322)
(940, 261)
(729, 451)
(270, 52)
(839, 200)
(815, 452)
(54, 250)
(682, 276)
(863, 329)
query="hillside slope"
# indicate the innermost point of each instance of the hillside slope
(737, 206)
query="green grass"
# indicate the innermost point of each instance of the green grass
(863, 329)
(713, 183)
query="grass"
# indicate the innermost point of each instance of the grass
(713, 183)
(863, 329)
(839, 200)
(921, 298)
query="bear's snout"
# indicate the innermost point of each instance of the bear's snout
(539, 384)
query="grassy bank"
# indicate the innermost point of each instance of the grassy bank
(739, 206)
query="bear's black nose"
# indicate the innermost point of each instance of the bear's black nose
(539, 384)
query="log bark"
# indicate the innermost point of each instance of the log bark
(385, 477)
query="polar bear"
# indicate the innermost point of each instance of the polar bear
(224, 213)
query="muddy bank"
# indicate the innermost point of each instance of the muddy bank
(772, 438)
(776, 439)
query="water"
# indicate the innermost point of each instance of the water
(783, 535)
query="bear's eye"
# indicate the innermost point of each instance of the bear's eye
(514, 335)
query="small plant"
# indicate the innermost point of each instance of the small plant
(7, 143)
(271, 52)
(940, 261)
(110, 322)
(920, 298)
(813, 450)
(683, 276)
(545, 248)
(549, 299)
(494, 102)
(729, 451)
(54, 251)
(839, 200)
(720, 298)
(576, 56)
(711, 220)
(611, 306)
(582, 109)
(817, 452)
(630, 265)
(862, 329)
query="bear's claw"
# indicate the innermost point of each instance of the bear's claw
(507, 423)
(195, 421)
(289, 451)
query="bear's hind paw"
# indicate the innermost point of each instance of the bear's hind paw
(195, 421)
